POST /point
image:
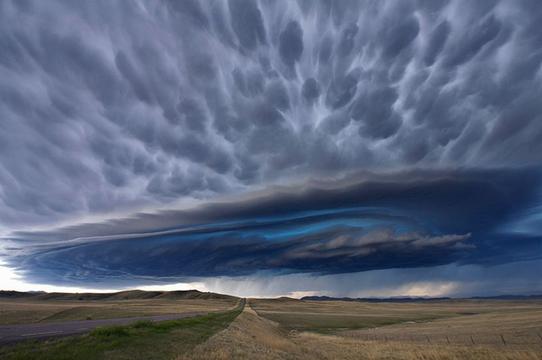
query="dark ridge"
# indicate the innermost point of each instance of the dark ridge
(509, 297)
(422, 299)
(121, 295)
(286, 299)
(392, 299)
(11, 294)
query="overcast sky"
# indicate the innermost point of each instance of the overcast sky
(265, 148)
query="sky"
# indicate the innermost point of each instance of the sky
(269, 148)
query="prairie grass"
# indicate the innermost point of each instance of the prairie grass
(142, 340)
(415, 319)
(518, 328)
(17, 311)
(251, 336)
(293, 329)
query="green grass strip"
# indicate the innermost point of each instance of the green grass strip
(141, 340)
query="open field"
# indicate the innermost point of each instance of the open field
(65, 307)
(251, 336)
(516, 325)
(423, 318)
(142, 340)
(330, 316)
(293, 329)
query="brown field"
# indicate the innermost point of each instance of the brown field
(19, 311)
(288, 328)
(516, 324)
(292, 329)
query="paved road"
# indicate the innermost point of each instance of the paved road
(14, 333)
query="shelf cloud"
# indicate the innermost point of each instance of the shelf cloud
(358, 223)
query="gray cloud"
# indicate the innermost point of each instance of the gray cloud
(348, 246)
(114, 106)
(436, 42)
(247, 23)
(358, 223)
(311, 89)
(291, 43)
(472, 41)
(449, 280)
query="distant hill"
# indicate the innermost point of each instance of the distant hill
(122, 295)
(391, 299)
(286, 299)
(422, 299)
(510, 297)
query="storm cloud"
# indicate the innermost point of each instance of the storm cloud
(114, 115)
(364, 222)
(107, 107)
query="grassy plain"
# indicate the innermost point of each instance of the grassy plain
(510, 324)
(142, 340)
(252, 336)
(290, 329)
(63, 307)
(442, 315)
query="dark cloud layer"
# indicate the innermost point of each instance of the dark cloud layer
(399, 220)
(110, 106)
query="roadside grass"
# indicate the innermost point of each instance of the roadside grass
(141, 340)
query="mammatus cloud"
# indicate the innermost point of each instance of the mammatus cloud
(112, 106)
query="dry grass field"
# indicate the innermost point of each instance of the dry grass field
(292, 329)
(508, 324)
(285, 328)
(62, 308)
(333, 316)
